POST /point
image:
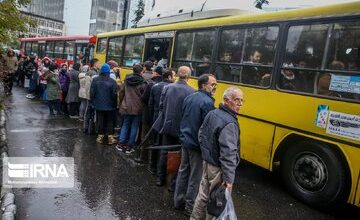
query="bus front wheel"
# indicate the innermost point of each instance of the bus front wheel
(315, 174)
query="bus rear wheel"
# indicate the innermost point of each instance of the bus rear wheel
(315, 174)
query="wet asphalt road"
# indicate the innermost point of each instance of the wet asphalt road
(110, 186)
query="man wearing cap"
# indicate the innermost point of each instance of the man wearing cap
(103, 97)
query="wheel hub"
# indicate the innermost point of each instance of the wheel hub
(310, 172)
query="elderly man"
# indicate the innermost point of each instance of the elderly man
(219, 138)
(168, 123)
(195, 108)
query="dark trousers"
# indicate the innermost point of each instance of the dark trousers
(63, 104)
(142, 154)
(162, 163)
(54, 104)
(188, 179)
(74, 108)
(8, 83)
(89, 119)
(155, 154)
(105, 122)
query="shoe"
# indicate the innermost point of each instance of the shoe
(30, 96)
(171, 189)
(120, 147)
(159, 182)
(187, 212)
(129, 150)
(138, 160)
(100, 139)
(151, 170)
(74, 116)
(111, 140)
(81, 119)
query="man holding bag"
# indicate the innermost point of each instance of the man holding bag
(219, 139)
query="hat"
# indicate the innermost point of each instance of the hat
(76, 66)
(159, 70)
(105, 69)
(113, 64)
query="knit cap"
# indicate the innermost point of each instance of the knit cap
(105, 69)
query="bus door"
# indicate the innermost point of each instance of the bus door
(41, 52)
(158, 47)
(81, 49)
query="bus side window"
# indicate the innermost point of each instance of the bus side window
(260, 44)
(133, 50)
(303, 57)
(194, 49)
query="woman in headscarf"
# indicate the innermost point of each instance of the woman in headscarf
(83, 79)
(64, 80)
(72, 97)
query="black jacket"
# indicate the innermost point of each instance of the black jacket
(195, 107)
(154, 100)
(219, 139)
(146, 117)
(171, 100)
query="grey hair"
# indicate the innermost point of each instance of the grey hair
(229, 92)
(184, 72)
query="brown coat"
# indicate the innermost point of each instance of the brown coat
(130, 98)
(11, 63)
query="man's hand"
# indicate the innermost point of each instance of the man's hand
(228, 185)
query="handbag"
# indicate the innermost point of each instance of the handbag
(217, 201)
(173, 161)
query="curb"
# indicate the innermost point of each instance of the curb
(8, 207)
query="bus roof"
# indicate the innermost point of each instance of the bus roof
(78, 37)
(350, 8)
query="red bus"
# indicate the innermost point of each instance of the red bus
(60, 48)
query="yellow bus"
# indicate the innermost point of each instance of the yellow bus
(300, 73)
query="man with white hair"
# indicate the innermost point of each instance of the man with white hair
(168, 122)
(219, 139)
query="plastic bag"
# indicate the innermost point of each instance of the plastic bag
(229, 211)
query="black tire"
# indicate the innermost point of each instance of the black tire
(315, 174)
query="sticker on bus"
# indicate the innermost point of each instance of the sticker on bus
(322, 116)
(345, 84)
(344, 125)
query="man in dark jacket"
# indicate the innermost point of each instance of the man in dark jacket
(131, 108)
(146, 121)
(219, 139)
(154, 100)
(194, 109)
(103, 97)
(168, 122)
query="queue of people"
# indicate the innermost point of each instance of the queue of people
(149, 101)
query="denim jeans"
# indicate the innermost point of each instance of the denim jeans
(131, 123)
(83, 104)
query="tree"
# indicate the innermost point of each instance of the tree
(139, 13)
(12, 21)
(259, 3)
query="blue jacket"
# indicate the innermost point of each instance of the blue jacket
(194, 109)
(103, 94)
(219, 139)
(171, 100)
